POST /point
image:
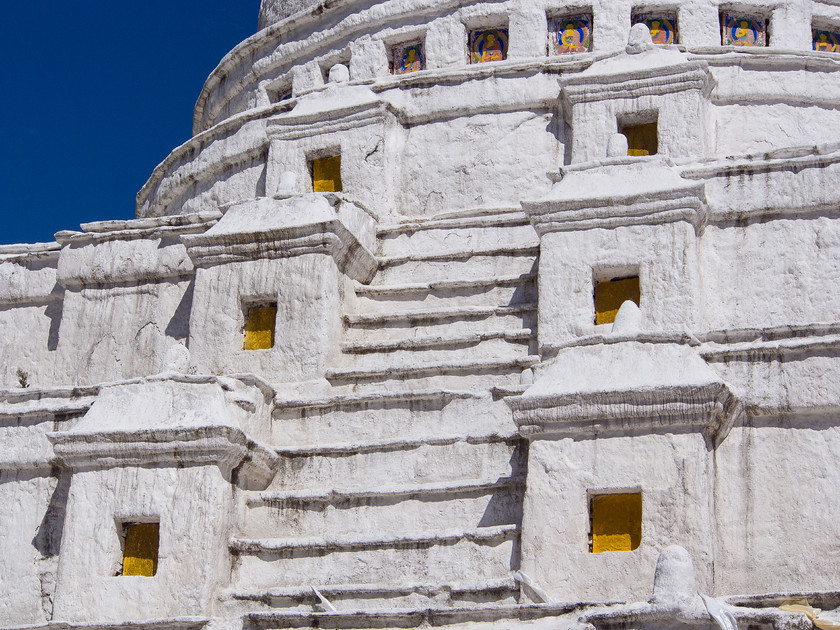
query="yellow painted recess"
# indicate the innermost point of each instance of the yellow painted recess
(259, 327)
(641, 139)
(616, 522)
(141, 549)
(611, 294)
(326, 174)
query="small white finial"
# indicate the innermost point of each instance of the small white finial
(617, 146)
(628, 320)
(674, 582)
(339, 73)
(640, 39)
(288, 184)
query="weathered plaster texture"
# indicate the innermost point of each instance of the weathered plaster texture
(420, 445)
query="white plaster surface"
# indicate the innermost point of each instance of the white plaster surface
(439, 405)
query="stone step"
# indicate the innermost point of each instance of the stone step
(453, 321)
(383, 415)
(510, 365)
(460, 266)
(342, 467)
(441, 314)
(495, 347)
(390, 595)
(393, 508)
(378, 557)
(490, 616)
(439, 341)
(392, 291)
(452, 237)
(508, 291)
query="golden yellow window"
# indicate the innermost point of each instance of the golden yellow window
(326, 174)
(259, 327)
(611, 294)
(616, 522)
(641, 139)
(141, 549)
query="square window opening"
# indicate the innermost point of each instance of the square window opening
(662, 25)
(570, 33)
(642, 135)
(488, 44)
(408, 57)
(326, 174)
(611, 294)
(278, 95)
(826, 38)
(740, 29)
(615, 522)
(260, 321)
(140, 542)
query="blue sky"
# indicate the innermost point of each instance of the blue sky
(95, 95)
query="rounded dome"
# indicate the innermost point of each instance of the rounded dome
(272, 11)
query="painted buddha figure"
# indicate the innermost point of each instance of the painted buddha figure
(572, 37)
(489, 46)
(411, 61)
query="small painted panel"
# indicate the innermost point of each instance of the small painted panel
(326, 174)
(663, 26)
(408, 57)
(742, 30)
(826, 41)
(616, 522)
(141, 549)
(570, 34)
(611, 294)
(259, 328)
(488, 45)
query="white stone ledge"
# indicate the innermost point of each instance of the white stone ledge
(711, 408)
(416, 617)
(22, 250)
(424, 342)
(400, 491)
(379, 446)
(225, 446)
(370, 398)
(386, 290)
(31, 401)
(483, 535)
(758, 351)
(170, 623)
(522, 250)
(785, 159)
(474, 217)
(426, 369)
(826, 600)
(349, 590)
(435, 314)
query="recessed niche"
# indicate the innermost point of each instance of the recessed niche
(570, 34)
(140, 548)
(259, 327)
(408, 57)
(326, 174)
(662, 25)
(642, 138)
(489, 44)
(615, 522)
(611, 294)
(743, 30)
(826, 40)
